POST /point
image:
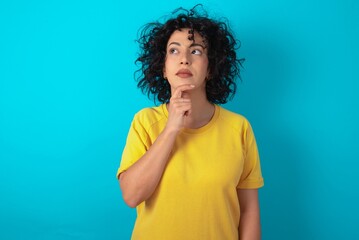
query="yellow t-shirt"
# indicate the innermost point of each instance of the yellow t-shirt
(196, 198)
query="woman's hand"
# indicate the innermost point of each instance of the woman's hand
(179, 108)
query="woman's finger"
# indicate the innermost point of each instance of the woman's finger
(178, 91)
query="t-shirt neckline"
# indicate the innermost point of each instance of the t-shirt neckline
(201, 129)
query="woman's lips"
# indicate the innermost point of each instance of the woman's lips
(184, 73)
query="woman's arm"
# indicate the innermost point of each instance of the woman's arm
(249, 225)
(141, 179)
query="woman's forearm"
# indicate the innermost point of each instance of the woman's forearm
(141, 179)
(249, 227)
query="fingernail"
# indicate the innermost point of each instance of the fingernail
(192, 85)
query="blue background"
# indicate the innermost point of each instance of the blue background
(67, 97)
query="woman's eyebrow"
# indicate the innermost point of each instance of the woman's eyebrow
(175, 43)
(192, 45)
(197, 45)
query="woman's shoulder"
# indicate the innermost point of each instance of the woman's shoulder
(150, 115)
(236, 120)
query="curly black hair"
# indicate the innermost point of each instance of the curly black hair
(223, 66)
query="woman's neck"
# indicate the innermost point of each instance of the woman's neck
(201, 113)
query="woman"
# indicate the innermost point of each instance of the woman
(190, 167)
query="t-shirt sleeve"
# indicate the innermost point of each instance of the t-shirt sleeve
(137, 144)
(251, 177)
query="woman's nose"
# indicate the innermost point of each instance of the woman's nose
(185, 60)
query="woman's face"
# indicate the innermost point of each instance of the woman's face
(186, 60)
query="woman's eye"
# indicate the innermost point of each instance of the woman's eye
(173, 51)
(197, 52)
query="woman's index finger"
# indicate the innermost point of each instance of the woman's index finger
(182, 88)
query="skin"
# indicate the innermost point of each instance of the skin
(249, 225)
(188, 108)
